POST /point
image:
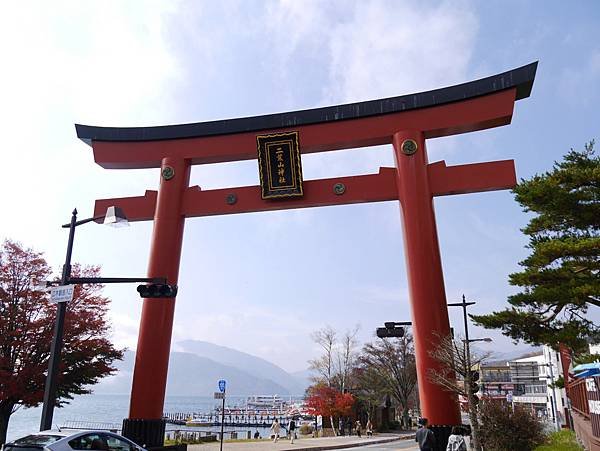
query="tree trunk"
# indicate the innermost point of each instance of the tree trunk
(332, 426)
(6, 409)
(474, 420)
(405, 419)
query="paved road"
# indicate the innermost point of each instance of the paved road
(401, 444)
(315, 443)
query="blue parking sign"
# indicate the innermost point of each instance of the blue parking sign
(222, 384)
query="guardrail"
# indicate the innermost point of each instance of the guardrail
(197, 436)
(93, 425)
(577, 393)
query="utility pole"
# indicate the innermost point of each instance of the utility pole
(57, 340)
(472, 399)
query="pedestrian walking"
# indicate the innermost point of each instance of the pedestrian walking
(276, 428)
(369, 428)
(358, 427)
(425, 437)
(292, 429)
(456, 441)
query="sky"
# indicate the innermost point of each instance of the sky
(142, 63)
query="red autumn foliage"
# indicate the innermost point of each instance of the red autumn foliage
(26, 330)
(328, 402)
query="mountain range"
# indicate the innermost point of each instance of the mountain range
(197, 366)
(195, 370)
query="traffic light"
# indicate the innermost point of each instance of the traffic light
(388, 332)
(392, 329)
(157, 290)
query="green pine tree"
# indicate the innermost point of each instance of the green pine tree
(560, 280)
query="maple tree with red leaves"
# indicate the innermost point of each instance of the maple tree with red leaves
(328, 402)
(26, 329)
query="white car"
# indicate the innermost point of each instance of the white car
(72, 440)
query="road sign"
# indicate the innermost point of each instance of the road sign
(509, 397)
(222, 384)
(62, 293)
(219, 395)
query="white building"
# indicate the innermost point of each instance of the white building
(533, 378)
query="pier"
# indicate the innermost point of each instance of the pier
(200, 419)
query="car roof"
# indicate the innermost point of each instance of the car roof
(61, 432)
(65, 432)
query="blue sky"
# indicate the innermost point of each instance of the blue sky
(154, 63)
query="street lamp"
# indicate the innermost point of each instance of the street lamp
(114, 217)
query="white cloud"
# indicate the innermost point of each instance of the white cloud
(373, 50)
(101, 63)
(392, 48)
(125, 328)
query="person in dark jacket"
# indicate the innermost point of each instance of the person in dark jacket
(425, 437)
(292, 429)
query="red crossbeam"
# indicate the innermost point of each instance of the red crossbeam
(471, 178)
(138, 208)
(317, 193)
(443, 180)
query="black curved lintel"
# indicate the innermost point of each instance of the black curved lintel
(521, 78)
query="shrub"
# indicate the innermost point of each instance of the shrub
(560, 441)
(394, 425)
(306, 429)
(504, 428)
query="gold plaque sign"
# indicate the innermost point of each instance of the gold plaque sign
(280, 166)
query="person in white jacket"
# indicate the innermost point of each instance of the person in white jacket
(276, 428)
(456, 441)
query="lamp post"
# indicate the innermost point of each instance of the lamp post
(114, 216)
(470, 396)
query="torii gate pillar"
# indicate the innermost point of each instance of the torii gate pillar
(425, 276)
(145, 422)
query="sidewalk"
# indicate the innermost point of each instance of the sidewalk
(312, 444)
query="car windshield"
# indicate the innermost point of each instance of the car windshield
(36, 440)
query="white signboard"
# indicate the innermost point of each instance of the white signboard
(62, 293)
(590, 385)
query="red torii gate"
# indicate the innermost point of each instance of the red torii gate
(405, 121)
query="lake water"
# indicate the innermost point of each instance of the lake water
(112, 409)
